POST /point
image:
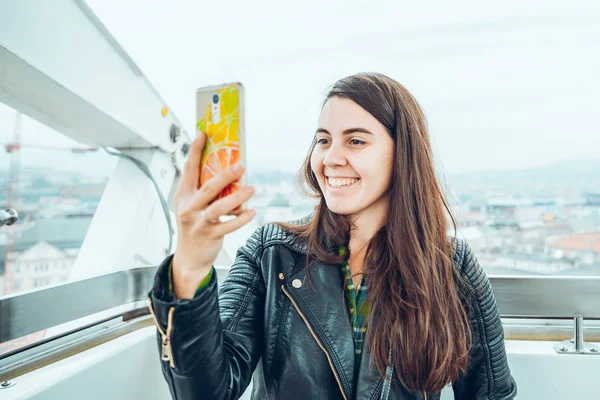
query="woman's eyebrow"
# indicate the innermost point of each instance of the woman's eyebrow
(346, 131)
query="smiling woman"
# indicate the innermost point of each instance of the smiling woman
(389, 300)
(371, 166)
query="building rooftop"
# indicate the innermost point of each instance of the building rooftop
(589, 241)
(63, 233)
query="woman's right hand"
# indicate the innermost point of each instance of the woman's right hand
(200, 233)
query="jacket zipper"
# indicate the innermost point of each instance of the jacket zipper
(166, 352)
(337, 378)
(377, 392)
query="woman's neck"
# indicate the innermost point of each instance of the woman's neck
(364, 227)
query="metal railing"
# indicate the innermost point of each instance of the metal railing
(547, 296)
(34, 311)
(532, 308)
(23, 314)
(553, 297)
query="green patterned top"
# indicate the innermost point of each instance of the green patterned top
(201, 286)
(359, 310)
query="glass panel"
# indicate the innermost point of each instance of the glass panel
(55, 184)
(509, 96)
(519, 232)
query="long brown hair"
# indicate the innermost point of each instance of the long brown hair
(416, 309)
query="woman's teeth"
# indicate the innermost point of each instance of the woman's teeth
(336, 182)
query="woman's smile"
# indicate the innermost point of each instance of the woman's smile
(340, 184)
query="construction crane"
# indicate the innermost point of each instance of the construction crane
(14, 149)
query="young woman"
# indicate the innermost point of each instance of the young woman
(367, 298)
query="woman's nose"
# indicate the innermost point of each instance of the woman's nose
(335, 156)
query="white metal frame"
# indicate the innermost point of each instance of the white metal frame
(62, 67)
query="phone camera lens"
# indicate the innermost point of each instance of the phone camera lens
(215, 98)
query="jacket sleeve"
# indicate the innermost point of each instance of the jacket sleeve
(210, 345)
(488, 376)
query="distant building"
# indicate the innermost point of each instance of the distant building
(471, 219)
(41, 265)
(278, 209)
(592, 198)
(582, 246)
(530, 263)
(45, 254)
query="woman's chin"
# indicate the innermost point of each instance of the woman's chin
(338, 207)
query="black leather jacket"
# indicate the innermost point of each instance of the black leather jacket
(293, 337)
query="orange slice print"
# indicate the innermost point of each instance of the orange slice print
(216, 161)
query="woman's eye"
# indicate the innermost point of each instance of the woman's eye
(322, 141)
(356, 142)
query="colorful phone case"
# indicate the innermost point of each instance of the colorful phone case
(219, 112)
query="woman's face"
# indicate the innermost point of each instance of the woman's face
(352, 159)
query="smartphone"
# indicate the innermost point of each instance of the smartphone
(220, 116)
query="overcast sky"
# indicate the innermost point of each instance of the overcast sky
(504, 85)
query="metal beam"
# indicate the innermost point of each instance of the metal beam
(129, 227)
(61, 66)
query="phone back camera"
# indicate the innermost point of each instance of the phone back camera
(215, 98)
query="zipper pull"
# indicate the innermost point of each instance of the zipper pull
(166, 353)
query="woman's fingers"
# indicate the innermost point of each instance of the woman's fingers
(191, 170)
(214, 186)
(229, 203)
(234, 224)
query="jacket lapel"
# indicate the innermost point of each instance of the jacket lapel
(320, 300)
